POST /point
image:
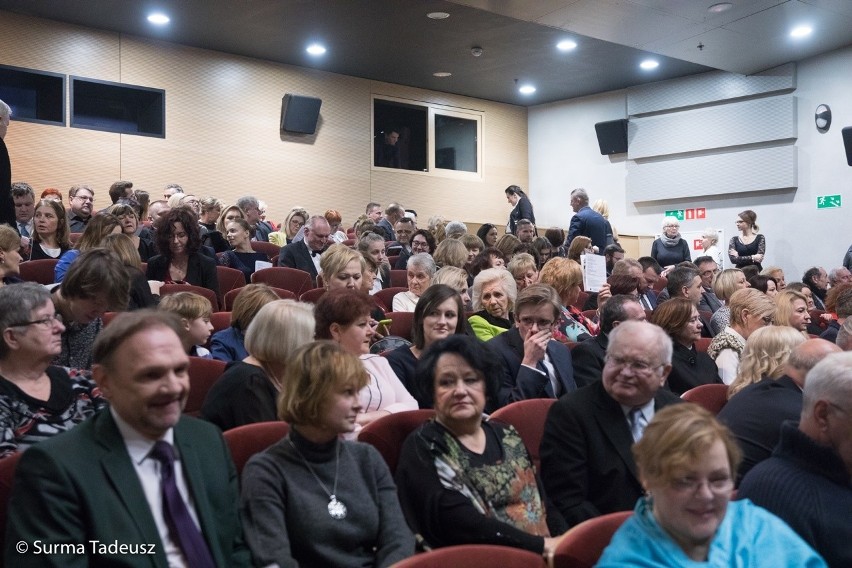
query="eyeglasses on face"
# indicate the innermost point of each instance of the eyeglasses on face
(637, 366)
(692, 485)
(44, 322)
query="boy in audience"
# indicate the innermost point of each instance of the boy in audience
(194, 311)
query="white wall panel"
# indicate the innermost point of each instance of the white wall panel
(707, 88)
(720, 174)
(735, 124)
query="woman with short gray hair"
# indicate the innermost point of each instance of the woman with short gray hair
(494, 294)
(670, 248)
(709, 240)
(420, 270)
(37, 400)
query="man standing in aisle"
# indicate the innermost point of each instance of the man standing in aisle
(587, 222)
(7, 211)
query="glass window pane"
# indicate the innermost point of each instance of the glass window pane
(455, 143)
(400, 133)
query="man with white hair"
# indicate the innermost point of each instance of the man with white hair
(7, 210)
(251, 207)
(587, 222)
(806, 482)
(844, 336)
(839, 275)
(586, 464)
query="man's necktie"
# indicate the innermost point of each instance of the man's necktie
(24, 232)
(637, 423)
(181, 526)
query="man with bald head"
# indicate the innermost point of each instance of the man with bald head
(305, 254)
(586, 463)
(806, 481)
(755, 414)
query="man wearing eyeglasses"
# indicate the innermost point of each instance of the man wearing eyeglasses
(586, 463)
(534, 364)
(707, 269)
(806, 481)
(82, 200)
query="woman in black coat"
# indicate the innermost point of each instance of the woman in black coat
(523, 208)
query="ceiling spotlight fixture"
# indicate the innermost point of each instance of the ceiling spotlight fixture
(159, 19)
(649, 64)
(315, 49)
(801, 31)
(441, 74)
(720, 7)
(566, 45)
(438, 15)
(526, 89)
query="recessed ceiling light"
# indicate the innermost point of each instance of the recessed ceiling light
(441, 74)
(315, 49)
(526, 90)
(159, 19)
(566, 45)
(438, 15)
(649, 64)
(720, 7)
(801, 31)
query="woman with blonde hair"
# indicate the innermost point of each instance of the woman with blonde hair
(341, 267)
(709, 240)
(450, 252)
(778, 274)
(792, 310)
(99, 226)
(579, 246)
(566, 277)
(750, 310)
(524, 270)
(506, 244)
(141, 291)
(765, 355)
(10, 258)
(50, 238)
(455, 278)
(687, 462)
(247, 391)
(229, 344)
(314, 498)
(290, 226)
(724, 285)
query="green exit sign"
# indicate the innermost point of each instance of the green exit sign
(678, 213)
(828, 201)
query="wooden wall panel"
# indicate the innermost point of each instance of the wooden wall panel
(222, 131)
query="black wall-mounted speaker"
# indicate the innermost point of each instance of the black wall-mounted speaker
(612, 136)
(299, 114)
(847, 143)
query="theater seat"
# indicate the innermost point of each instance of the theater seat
(203, 373)
(389, 432)
(582, 546)
(710, 397)
(474, 556)
(527, 416)
(245, 441)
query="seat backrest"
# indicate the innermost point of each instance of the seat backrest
(202, 374)
(292, 279)
(220, 320)
(528, 417)
(384, 297)
(711, 397)
(231, 296)
(167, 289)
(474, 556)
(582, 546)
(312, 295)
(245, 441)
(41, 271)
(398, 278)
(7, 475)
(229, 278)
(389, 432)
(581, 300)
(269, 249)
(702, 343)
(401, 324)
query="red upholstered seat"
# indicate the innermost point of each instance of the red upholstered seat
(582, 546)
(384, 298)
(401, 323)
(474, 556)
(527, 416)
(711, 397)
(292, 279)
(7, 475)
(41, 271)
(399, 278)
(245, 441)
(389, 432)
(202, 374)
(269, 249)
(229, 279)
(312, 295)
(167, 289)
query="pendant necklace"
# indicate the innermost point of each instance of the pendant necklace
(336, 508)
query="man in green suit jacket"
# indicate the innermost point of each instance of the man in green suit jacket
(92, 496)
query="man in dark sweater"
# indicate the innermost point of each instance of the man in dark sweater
(755, 414)
(806, 482)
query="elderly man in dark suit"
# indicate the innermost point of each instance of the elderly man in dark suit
(534, 364)
(586, 463)
(149, 486)
(305, 254)
(587, 222)
(707, 269)
(588, 356)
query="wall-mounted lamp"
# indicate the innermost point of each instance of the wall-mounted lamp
(822, 118)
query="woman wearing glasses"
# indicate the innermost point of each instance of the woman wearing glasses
(687, 462)
(37, 400)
